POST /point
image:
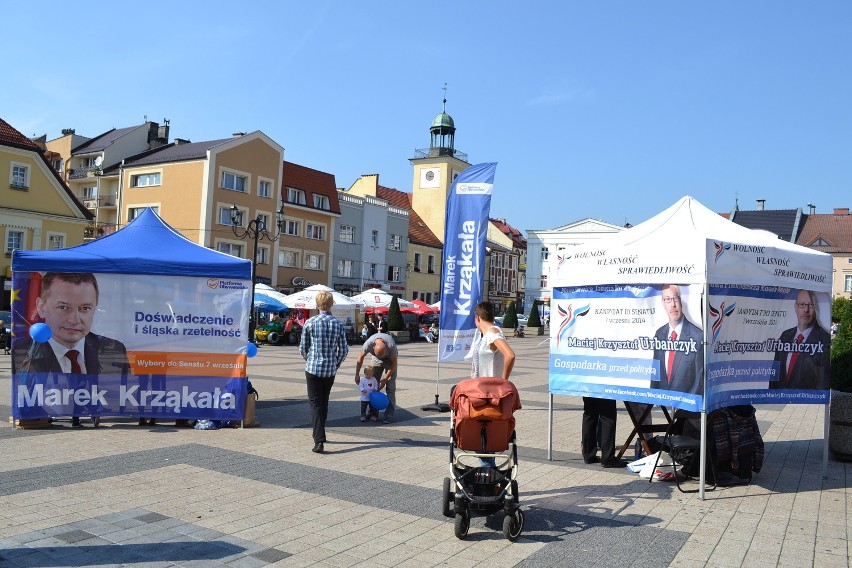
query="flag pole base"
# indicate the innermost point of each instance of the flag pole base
(437, 407)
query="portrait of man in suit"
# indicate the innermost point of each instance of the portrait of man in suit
(803, 352)
(680, 348)
(67, 304)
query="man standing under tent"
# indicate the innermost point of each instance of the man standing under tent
(681, 355)
(382, 348)
(803, 351)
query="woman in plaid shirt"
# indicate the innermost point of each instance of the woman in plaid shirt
(324, 348)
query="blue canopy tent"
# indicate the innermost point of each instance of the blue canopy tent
(268, 303)
(180, 308)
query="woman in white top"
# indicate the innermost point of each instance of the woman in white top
(490, 352)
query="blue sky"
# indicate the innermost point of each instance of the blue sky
(609, 110)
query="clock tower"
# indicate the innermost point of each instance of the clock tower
(435, 169)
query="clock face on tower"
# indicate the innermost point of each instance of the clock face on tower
(430, 177)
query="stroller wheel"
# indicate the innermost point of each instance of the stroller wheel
(448, 499)
(513, 525)
(462, 525)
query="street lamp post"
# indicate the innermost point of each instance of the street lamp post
(255, 229)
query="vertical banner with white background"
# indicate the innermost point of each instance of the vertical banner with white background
(463, 270)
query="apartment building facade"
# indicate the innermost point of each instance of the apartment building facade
(38, 211)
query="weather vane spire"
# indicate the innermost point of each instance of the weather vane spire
(445, 97)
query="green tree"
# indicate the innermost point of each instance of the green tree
(841, 352)
(534, 320)
(395, 322)
(510, 320)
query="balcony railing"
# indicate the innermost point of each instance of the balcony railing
(105, 201)
(80, 173)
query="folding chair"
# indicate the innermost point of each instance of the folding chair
(684, 450)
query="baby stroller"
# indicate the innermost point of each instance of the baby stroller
(483, 455)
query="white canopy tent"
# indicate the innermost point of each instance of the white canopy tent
(344, 308)
(686, 244)
(378, 298)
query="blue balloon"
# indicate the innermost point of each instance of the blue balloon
(40, 332)
(379, 400)
(251, 350)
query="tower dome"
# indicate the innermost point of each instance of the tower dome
(443, 120)
(443, 131)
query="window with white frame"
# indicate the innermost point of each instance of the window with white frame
(262, 255)
(428, 298)
(288, 258)
(344, 268)
(234, 182)
(847, 283)
(430, 264)
(395, 242)
(56, 164)
(90, 192)
(233, 249)
(314, 231)
(264, 188)
(394, 273)
(543, 281)
(291, 227)
(225, 216)
(374, 238)
(371, 271)
(14, 240)
(296, 196)
(313, 261)
(55, 242)
(416, 262)
(145, 180)
(321, 202)
(544, 253)
(264, 222)
(347, 234)
(91, 162)
(134, 212)
(19, 176)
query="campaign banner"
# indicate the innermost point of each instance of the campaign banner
(641, 343)
(768, 345)
(463, 271)
(119, 344)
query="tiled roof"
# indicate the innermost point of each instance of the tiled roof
(782, 222)
(10, 136)
(511, 232)
(101, 141)
(172, 153)
(418, 232)
(834, 229)
(311, 182)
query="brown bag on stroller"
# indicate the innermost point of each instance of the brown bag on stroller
(483, 411)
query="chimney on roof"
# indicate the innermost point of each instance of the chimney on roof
(179, 141)
(841, 211)
(157, 135)
(811, 208)
(67, 131)
(760, 204)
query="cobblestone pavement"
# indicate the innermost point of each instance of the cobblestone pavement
(161, 496)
